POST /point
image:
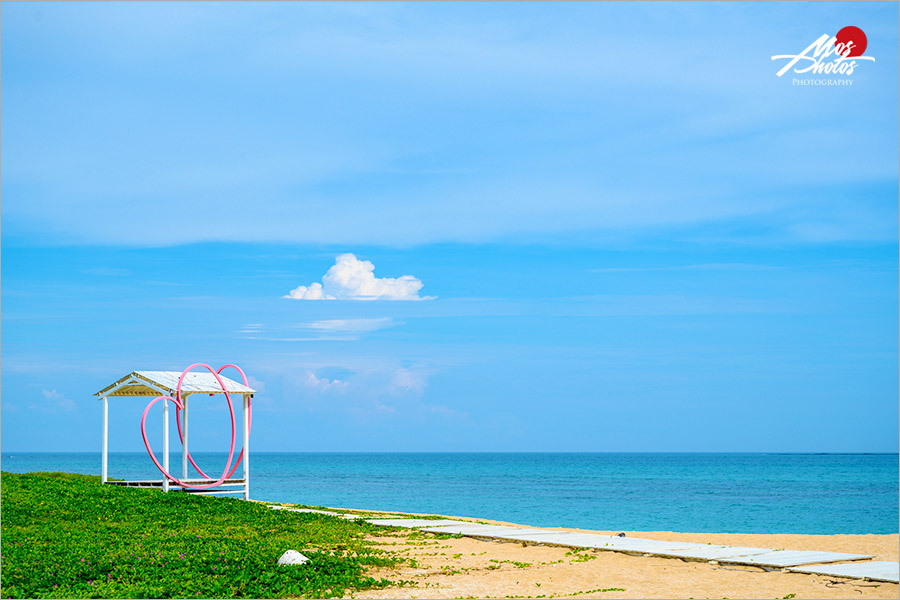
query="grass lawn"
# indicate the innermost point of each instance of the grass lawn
(69, 536)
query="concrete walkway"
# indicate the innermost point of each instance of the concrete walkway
(766, 558)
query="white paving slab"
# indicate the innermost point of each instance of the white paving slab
(879, 570)
(791, 558)
(562, 538)
(658, 547)
(569, 538)
(478, 530)
(707, 552)
(602, 542)
(411, 523)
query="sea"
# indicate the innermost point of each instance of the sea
(725, 493)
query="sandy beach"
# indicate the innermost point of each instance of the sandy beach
(466, 567)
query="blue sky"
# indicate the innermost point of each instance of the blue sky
(623, 231)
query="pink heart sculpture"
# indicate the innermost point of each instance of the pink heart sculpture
(179, 406)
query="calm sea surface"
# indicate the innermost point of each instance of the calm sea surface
(748, 493)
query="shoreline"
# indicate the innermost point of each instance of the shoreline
(572, 489)
(664, 535)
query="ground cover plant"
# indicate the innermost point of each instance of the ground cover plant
(69, 536)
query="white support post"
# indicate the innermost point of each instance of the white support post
(104, 452)
(165, 484)
(246, 446)
(184, 435)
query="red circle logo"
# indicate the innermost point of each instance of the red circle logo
(853, 38)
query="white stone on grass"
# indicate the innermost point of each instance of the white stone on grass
(292, 557)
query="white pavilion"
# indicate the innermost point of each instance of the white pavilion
(151, 384)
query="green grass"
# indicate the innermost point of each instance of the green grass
(581, 555)
(515, 563)
(69, 536)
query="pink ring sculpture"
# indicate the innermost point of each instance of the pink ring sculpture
(249, 417)
(179, 406)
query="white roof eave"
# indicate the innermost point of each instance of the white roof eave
(166, 382)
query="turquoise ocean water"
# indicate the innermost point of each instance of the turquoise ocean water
(739, 493)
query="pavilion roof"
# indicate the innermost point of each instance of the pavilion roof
(162, 383)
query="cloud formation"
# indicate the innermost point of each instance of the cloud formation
(353, 279)
(323, 384)
(395, 390)
(54, 403)
(329, 330)
(349, 325)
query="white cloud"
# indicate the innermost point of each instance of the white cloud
(55, 402)
(256, 384)
(324, 384)
(349, 325)
(385, 389)
(385, 407)
(405, 380)
(330, 330)
(353, 279)
(446, 411)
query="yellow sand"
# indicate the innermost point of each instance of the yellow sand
(465, 567)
